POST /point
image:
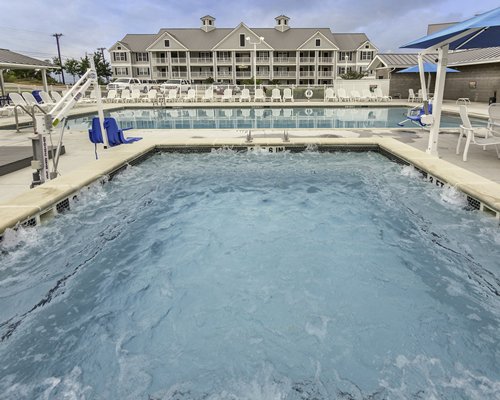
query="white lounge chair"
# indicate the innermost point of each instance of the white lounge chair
(190, 96)
(276, 95)
(380, 96)
(494, 117)
(124, 96)
(152, 96)
(172, 95)
(490, 137)
(110, 97)
(209, 94)
(366, 95)
(31, 101)
(135, 96)
(245, 95)
(342, 94)
(47, 100)
(56, 96)
(355, 95)
(330, 94)
(19, 101)
(259, 95)
(411, 96)
(287, 94)
(228, 95)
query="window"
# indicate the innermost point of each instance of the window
(167, 43)
(119, 56)
(242, 40)
(343, 54)
(209, 22)
(141, 57)
(366, 55)
(119, 71)
(143, 71)
(318, 42)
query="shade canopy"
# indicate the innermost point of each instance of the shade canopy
(428, 67)
(478, 32)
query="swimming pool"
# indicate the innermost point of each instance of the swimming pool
(255, 276)
(265, 118)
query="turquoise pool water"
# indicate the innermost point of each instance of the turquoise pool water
(254, 276)
(265, 118)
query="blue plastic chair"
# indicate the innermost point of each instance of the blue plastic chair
(114, 133)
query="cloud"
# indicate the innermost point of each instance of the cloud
(89, 24)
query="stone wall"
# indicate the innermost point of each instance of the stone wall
(485, 76)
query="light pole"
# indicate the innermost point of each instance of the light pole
(261, 39)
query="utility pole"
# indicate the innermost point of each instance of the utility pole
(57, 36)
(102, 53)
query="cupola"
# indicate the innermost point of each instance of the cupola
(207, 23)
(282, 23)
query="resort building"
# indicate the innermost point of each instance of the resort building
(283, 54)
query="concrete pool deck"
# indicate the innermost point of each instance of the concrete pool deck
(479, 177)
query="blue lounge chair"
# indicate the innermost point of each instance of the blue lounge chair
(415, 115)
(115, 134)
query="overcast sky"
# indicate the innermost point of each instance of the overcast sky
(27, 25)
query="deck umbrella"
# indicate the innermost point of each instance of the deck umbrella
(429, 68)
(478, 32)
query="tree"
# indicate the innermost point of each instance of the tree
(102, 67)
(83, 65)
(353, 75)
(59, 70)
(71, 66)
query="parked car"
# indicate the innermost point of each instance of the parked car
(219, 87)
(182, 85)
(127, 83)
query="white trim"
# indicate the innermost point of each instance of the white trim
(161, 37)
(370, 43)
(121, 44)
(315, 48)
(241, 25)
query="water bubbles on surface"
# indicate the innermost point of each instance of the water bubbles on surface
(453, 196)
(410, 171)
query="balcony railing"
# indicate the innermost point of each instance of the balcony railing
(262, 60)
(242, 60)
(263, 74)
(181, 60)
(224, 60)
(284, 74)
(307, 60)
(284, 60)
(157, 75)
(325, 74)
(159, 61)
(325, 60)
(179, 74)
(201, 74)
(243, 74)
(306, 74)
(225, 74)
(205, 60)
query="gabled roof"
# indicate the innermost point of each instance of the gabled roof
(349, 41)
(138, 42)
(291, 39)
(475, 56)
(403, 60)
(9, 59)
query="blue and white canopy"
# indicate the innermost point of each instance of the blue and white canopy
(428, 67)
(478, 32)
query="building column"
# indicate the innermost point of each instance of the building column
(44, 80)
(2, 83)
